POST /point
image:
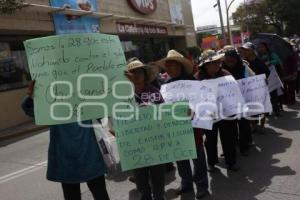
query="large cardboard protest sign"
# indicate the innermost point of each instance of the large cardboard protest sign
(154, 135)
(78, 77)
(256, 94)
(274, 81)
(230, 100)
(202, 96)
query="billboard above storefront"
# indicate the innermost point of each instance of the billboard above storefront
(176, 12)
(145, 7)
(66, 24)
(140, 29)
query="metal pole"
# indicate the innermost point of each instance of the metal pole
(221, 20)
(228, 21)
(246, 21)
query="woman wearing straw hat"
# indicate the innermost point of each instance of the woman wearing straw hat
(210, 69)
(141, 76)
(180, 68)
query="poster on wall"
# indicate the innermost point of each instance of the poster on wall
(176, 11)
(67, 24)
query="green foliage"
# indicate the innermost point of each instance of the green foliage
(278, 16)
(9, 6)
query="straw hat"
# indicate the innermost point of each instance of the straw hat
(176, 56)
(151, 70)
(209, 56)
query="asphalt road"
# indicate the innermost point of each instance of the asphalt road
(270, 172)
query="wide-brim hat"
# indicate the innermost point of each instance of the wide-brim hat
(176, 56)
(151, 70)
(210, 56)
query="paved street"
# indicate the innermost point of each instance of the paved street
(270, 172)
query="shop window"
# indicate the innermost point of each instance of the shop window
(14, 72)
(147, 50)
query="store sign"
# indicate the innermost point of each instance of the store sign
(143, 6)
(139, 29)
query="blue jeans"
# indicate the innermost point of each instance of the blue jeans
(200, 171)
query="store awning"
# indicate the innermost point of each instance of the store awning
(102, 16)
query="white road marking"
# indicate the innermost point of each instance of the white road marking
(22, 172)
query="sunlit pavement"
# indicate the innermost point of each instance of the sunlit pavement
(270, 172)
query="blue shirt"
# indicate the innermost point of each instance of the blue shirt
(73, 155)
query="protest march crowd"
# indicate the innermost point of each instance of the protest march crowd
(74, 156)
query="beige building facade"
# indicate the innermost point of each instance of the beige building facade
(147, 36)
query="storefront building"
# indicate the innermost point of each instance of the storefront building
(147, 29)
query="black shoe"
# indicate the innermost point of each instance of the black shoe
(233, 168)
(170, 167)
(184, 190)
(201, 193)
(131, 179)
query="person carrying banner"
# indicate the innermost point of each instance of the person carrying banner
(180, 68)
(210, 69)
(239, 70)
(272, 59)
(141, 76)
(73, 156)
(247, 52)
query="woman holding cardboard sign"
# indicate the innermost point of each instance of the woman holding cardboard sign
(180, 68)
(73, 157)
(210, 68)
(141, 76)
(239, 69)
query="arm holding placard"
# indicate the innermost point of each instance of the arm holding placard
(27, 103)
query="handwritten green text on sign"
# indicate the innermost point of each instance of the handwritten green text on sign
(78, 77)
(157, 135)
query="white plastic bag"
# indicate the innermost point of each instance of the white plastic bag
(105, 145)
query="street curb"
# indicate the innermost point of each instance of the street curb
(23, 132)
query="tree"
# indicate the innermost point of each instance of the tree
(258, 16)
(288, 12)
(278, 16)
(10, 6)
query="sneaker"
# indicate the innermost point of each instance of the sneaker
(201, 193)
(184, 190)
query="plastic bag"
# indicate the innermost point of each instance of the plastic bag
(105, 145)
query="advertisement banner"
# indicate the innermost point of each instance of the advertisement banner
(176, 11)
(66, 24)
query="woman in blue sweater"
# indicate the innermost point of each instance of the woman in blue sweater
(73, 157)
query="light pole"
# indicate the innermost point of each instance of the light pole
(221, 19)
(228, 22)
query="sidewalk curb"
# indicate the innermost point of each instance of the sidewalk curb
(21, 133)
